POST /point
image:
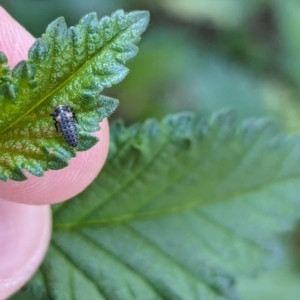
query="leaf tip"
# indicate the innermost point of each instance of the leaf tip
(86, 141)
(57, 28)
(86, 19)
(141, 19)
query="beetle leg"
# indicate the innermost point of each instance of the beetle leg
(55, 124)
(74, 116)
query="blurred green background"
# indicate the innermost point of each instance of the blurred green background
(203, 55)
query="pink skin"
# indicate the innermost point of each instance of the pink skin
(25, 230)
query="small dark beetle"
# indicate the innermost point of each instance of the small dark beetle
(64, 121)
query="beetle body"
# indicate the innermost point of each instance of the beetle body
(65, 118)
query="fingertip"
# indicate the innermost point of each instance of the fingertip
(60, 185)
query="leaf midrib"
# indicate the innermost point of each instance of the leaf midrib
(101, 50)
(135, 175)
(175, 209)
(132, 216)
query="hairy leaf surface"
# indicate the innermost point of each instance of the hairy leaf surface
(181, 208)
(65, 66)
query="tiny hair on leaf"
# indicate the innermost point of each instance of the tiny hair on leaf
(66, 66)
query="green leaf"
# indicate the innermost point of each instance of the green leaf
(180, 209)
(65, 66)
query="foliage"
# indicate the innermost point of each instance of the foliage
(65, 66)
(176, 212)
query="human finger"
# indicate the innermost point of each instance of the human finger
(24, 236)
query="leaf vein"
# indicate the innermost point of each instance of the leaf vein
(174, 261)
(86, 275)
(119, 260)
